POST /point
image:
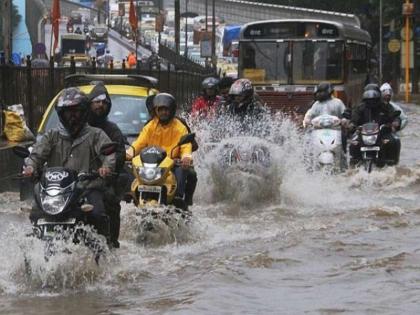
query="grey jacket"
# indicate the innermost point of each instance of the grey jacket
(57, 148)
(333, 106)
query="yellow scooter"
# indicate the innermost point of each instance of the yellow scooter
(155, 182)
(153, 191)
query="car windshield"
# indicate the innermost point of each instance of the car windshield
(128, 112)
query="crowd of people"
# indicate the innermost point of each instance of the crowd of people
(84, 127)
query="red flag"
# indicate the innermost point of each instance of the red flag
(55, 21)
(132, 17)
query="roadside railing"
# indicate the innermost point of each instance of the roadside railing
(34, 87)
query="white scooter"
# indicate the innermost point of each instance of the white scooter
(326, 144)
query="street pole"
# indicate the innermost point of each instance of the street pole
(407, 55)
(380, 41)
(213, 35)
(177, 26)
(186, 33)
(160, 21)
(207, 13)
(137, 33)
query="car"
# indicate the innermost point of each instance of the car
(99, 33)
(128, 94)
(76, 17)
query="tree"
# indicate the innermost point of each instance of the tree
(15, 21)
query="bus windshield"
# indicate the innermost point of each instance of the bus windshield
(310, 62)
(316, 61)
(264, 62)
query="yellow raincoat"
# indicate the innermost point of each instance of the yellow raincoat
(165, 136)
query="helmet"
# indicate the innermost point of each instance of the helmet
(386, 90)
(165, 100)
(212, 84)
(243, 88)
(372, 86)
(226, 82)
(72, 99)
(372, 98)
(323, 91)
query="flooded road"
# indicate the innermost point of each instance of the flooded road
(315, 244)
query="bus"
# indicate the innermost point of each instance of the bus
(287, 58)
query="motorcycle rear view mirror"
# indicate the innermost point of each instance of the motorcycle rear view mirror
(21, 152)
(108, 148)
(188, 138)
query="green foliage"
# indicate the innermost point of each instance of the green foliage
(15, 21)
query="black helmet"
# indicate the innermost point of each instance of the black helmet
(372, 87)
(323, 91)
(71, 99)
(165, 100)
(226, 82)
(371, 95)
(210, 83)
(372, 98)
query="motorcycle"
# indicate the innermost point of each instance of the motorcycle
(326, 143)
(241, 170)
(60, 196)
(153, 191)
(372, 146)
(378, 145)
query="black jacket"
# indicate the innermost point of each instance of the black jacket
(110, 128)
(382, 113)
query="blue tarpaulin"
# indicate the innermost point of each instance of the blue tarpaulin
(231, 33)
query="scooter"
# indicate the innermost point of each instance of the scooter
(326, 143)
(60, 196)
(153, 189)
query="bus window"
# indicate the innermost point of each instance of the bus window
(269, 61)
(314, 62)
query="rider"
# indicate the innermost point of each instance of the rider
(165, 131)
(75, 145)
(224, 86)
(387, 93)
(325, 103)
(206, 104)
(243, 100)
(191, 174)
(373, 109)
(100, 106)
(78, 30)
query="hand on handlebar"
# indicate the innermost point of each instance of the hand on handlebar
(28, 171)
(104, 172)
(185, 162)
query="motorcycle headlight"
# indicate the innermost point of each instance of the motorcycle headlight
(369, 140)
(150, 173)
(54, 200)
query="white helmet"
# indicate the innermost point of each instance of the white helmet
(386, 89)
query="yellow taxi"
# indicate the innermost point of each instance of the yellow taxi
(128, 95)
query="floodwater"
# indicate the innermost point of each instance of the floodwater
(285, 242)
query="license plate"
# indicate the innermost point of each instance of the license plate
(364, 149)
(153, 189)
(45, 222)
